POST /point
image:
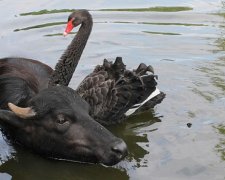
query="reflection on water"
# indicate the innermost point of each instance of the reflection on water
(215, 92)
(215, 72)
(220, 148)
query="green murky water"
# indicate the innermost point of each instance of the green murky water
(183, 40)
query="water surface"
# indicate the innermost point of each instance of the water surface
(186, 48)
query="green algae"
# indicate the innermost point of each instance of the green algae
(57, 34)
(150, 9)
(154, 9)
(45, 11)
(158, 23)
(123, 22)
(172, 24)
(161, 33)
(40, 26)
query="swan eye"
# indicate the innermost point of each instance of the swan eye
(71, 18)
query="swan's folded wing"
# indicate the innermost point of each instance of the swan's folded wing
(101, 94)
(110, 100)
(111, 92)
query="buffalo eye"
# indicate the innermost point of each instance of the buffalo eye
(61, 119)
(62, 123)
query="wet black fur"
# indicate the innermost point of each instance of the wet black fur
(20, 79)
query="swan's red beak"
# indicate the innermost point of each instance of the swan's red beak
(69, 27)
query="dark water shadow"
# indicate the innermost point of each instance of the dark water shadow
(27, 166)
(134, 132)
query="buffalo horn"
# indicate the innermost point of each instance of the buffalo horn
(22, 112)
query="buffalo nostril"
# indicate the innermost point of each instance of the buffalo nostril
(120, 149)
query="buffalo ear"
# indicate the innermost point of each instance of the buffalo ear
(10, 118)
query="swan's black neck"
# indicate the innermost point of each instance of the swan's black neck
(67, 64)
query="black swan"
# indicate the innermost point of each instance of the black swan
(112, 91)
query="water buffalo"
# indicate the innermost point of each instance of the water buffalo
(53, 121)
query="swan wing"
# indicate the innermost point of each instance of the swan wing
(112, 91)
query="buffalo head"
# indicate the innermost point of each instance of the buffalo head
(56, 123)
